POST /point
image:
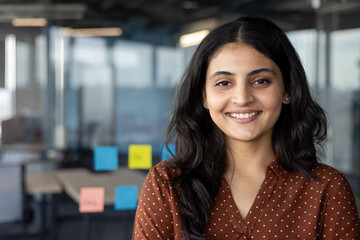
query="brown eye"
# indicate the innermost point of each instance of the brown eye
(223, 84)
(261, 82)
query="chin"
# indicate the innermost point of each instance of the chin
(243, 138)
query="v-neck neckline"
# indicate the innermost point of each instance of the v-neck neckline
(255, 210)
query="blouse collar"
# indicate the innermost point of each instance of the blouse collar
(276, 168)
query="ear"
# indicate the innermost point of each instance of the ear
(286, 99)
(204, 100)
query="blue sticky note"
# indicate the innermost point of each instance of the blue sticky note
(165, 154)
(125, 197)
(106, 158)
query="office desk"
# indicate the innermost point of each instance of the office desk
(74, 179)
(44, 183)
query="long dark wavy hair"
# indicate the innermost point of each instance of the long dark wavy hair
(200, 145)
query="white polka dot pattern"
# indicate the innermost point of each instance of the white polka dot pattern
(288, 205)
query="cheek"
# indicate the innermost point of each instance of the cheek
(273, 102)
(276, 110)
(216, 100)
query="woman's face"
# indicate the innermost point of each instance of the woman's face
(244, 93)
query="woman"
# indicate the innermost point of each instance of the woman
(246, 166)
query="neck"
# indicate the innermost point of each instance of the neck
(249, 158)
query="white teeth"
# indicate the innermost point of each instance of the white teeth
(243, 116)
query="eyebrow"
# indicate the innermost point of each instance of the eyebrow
(222, 73)
(261, 70)
(249, 74)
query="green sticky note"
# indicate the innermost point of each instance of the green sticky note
(140, 157)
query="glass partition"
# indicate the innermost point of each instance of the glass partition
(331, 58)
(119, 92)
(21, 97)
(343, 101)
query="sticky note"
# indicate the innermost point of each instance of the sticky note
(106, 158)
(140, 157)
(92, 199)
(165, 154)
(125, 197)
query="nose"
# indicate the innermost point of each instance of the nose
(242, 95)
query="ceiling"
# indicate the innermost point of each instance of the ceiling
(154, 19)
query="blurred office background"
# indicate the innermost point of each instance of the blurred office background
(79, 74)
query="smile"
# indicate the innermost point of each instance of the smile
(243, 115)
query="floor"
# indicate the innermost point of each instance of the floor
(70, 225)
(109, 225)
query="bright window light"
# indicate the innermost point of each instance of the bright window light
(10, 62)
(192, 39)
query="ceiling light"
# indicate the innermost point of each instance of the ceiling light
(190, 5)
(42, 10)
(315, 4)
(92, 32)
(29, 22)
(192, 39)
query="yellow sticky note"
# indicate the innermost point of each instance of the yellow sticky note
(92, 199)
(140, 157)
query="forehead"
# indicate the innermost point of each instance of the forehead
(237, 56)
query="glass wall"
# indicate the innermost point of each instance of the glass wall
(22, 70)
(339, 96)
(70, 93)
(119, 92)
(331, 58)
(343, 100)
(61, 96)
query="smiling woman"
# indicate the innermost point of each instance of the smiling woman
(246, 165)
(244, 100)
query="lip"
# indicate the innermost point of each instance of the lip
(244, 120)
(244, 111)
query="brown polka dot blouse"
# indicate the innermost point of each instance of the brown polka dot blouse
(288, 205)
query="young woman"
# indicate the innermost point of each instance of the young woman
(246, 131)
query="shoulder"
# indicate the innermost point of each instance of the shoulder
(326, 180)
(327, 174)
(159, 178)
(157, 184)
(339, 214)
(332, 180)
(157, 214)
(164, 171)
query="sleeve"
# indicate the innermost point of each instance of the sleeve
(340, 214)
(156, 214)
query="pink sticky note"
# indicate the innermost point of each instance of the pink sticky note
(92, 199)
